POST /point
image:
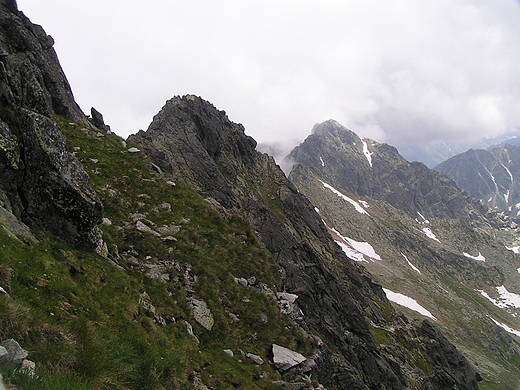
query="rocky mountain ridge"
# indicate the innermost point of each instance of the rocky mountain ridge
(432, 154)
(488, 175)
(367, 168)
(182, 279)
(248, 182)
(448, 267)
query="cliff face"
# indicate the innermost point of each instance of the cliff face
(41, 183)
(340, 304)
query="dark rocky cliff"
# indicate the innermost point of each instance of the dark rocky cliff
(41, 182)
(367, 168)
(340, 304)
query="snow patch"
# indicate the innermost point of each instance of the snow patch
(515, 249)
(322, 162)
(506, 328)
(506, 300)
(356, 205)
(356, 250)
(509, 172)
(408, 302)
(424, 220)
(367, 153)
(364, 204)
(430, 234)
(411, 265)
(478, 258)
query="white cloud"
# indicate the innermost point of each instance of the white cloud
(395, 71)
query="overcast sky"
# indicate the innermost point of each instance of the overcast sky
(396, 71)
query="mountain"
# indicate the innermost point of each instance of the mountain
(191, 140)
(367, 168)
(488, 175)
(179, 258)
(431, 259)
(433, 153)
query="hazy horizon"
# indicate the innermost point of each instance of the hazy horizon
(396, 71)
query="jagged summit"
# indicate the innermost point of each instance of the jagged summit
(367, 168)
(329, 125)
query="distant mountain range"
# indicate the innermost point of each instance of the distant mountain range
(489, 175)
(433, 153)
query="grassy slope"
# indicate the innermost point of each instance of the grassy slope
(79, 314)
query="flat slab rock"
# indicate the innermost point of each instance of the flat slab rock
(284, 358)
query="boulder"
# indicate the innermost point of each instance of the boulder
(255, 358)
(97, 120)
(284, 358)
(201, 313)
(16, 354)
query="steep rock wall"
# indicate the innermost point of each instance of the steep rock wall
(41, 183)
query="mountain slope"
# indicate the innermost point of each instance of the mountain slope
(184, 291)
(193, 141)
(442, 263)
(488, 175)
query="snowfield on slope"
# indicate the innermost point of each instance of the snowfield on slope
(478, 258)
(356, 205)
(408, 302)
(506, 299)
(356, 250)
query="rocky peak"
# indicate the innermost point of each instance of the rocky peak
(367, 168)
(195, 142)
(41, 183)
(192, 140)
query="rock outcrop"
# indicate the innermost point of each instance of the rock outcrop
(41, 182)
(192, 141)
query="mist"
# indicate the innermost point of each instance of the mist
(397, 71)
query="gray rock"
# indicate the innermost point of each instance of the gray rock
(97, 120)
(201, 313)
(14, 226)
(255, 358)
(284, 358)
(145, 229)
(133, 150)
(4, 355)
(16, 354)
(229, 352)
(166, 206)
(168, 230)
(45, 185)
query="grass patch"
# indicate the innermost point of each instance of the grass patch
(81, 316)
